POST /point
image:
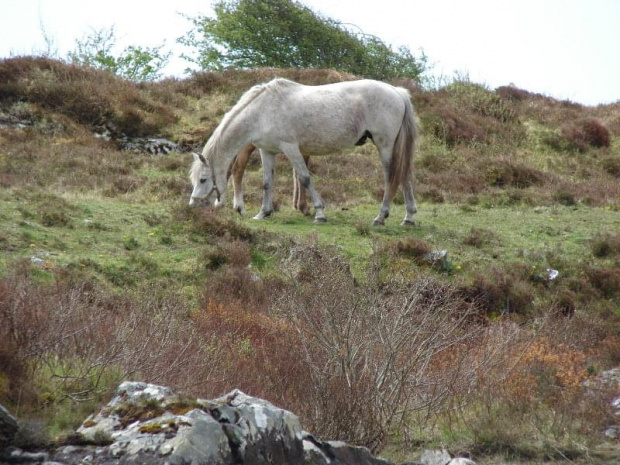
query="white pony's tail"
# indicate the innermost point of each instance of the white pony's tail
(404, 146)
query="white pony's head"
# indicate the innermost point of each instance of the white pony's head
(202, 182)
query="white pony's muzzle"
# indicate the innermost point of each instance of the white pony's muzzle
(197, 201)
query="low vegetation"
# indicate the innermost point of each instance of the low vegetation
(107, 275)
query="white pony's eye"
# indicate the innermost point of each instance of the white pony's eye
(202, 181)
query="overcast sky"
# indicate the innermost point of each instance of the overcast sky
(568, 49)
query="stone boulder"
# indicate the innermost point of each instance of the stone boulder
(151, 424)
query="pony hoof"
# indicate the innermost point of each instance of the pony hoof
(378, 223)
(262, 215)
(320, 220)
(408, 223)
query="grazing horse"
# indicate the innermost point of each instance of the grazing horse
(283, 116)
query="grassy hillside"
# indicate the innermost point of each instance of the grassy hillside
(108, 275)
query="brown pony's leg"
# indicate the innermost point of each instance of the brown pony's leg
(299, 193)
(237, 170)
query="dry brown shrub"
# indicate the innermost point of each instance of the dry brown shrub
(235, 253)
(125, 184)
(450, 184)
(478, 237)
(451, 127)
(605, 280)
(413, 248)
(504, 292)
(612, 166)
(506, 173)
(605, 245)
(208, 221)
(513, 93)
(586, 133)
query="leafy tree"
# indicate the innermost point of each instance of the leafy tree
(288, 34)
(134, 63)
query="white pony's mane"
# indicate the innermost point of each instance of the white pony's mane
(194, 172)
(275, 85)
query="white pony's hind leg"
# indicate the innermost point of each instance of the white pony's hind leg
(297, 160)
(269, 165)
(384, 212)
(410, 204)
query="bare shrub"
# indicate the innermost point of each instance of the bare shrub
(366, 351)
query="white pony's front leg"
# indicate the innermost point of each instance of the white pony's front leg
(269, 165)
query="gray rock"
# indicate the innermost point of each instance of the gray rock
(16, 455)
(37, 261)
(461, 461)
(341, 453)
(152, 146)
(435, 457)
(437, 259)
(263, 433)
(8, 427)
(203, 442)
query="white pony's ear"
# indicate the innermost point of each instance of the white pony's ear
(198, 157)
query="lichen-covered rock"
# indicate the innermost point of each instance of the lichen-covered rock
(150, 424)
(8, 427)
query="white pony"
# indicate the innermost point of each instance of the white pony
(282, 116)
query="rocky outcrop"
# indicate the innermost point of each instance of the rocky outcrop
(151, 424)
(154, 146)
